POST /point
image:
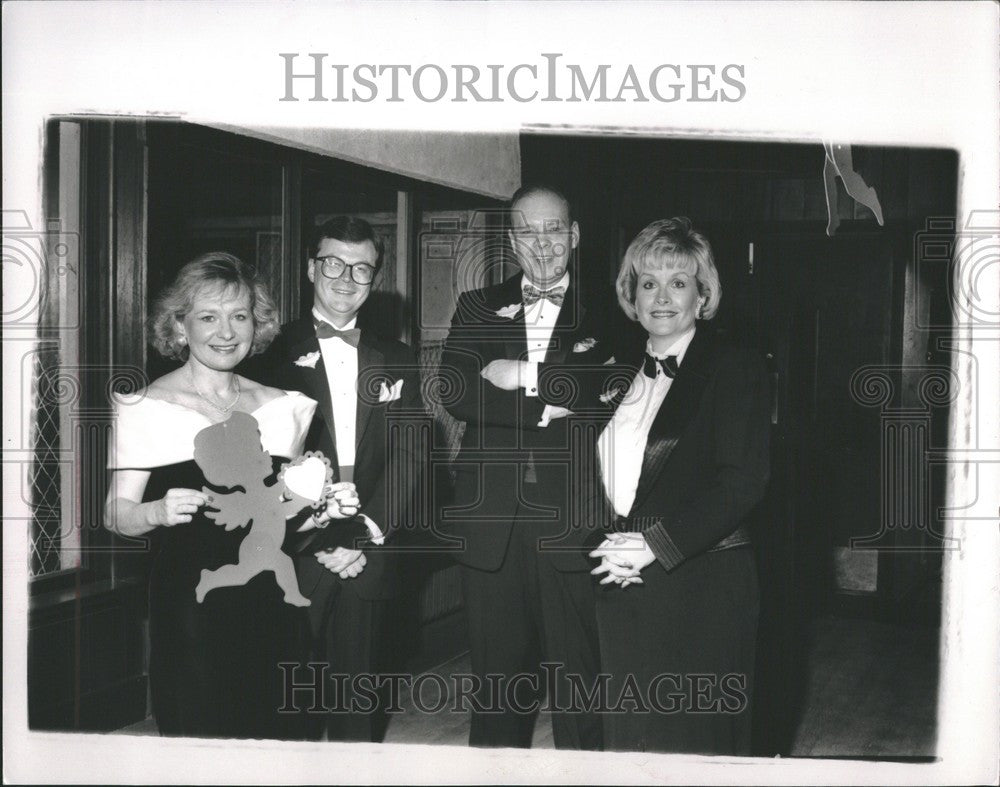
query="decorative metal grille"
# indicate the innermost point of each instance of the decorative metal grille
(45, 472)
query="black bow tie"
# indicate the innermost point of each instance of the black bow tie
(326, 331)
(668, 364)
(532, 295)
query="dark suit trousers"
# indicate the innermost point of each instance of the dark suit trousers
(346, 632)
(522, 614)
(696, 625)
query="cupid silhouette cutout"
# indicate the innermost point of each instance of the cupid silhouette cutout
(230, 455)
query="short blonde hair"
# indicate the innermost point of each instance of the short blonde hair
(670, 243)
(217, 268)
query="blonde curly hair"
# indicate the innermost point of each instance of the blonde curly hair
(215, 269)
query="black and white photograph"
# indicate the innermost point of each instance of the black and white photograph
(501, 392)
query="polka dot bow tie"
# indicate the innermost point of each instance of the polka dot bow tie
(532, 295)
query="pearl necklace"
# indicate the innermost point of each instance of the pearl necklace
(223, 410)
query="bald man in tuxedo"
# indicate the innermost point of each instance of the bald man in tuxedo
(529, 597)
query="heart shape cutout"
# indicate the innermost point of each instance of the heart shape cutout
(307, 478)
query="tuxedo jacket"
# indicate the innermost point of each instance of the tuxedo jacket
(503, 447)
(387, 462)
(706, 459)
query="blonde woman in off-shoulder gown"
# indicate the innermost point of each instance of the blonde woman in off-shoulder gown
(214, 663)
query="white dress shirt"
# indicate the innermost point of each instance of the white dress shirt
(341, 363)
(622, 444)
(539, 323)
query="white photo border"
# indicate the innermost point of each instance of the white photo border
(883, 73)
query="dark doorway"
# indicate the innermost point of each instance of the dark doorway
(838, 533)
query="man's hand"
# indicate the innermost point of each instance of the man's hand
(342, 500)
(551, 413)
(347, 563)
(506, 375)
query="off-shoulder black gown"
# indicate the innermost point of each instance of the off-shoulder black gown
(214, 666)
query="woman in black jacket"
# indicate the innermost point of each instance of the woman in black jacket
(680, 459)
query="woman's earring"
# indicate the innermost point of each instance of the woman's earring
(182, 340)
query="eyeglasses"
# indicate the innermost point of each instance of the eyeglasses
(333, 268)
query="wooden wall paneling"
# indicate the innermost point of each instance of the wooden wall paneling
(405, 264)
(932, 184)
(85, 666)
(130, 226)
(814, 197)
(86, 660)
(789, 199)
(127, 285)
(893, 184)
(293, 253)
(867, 163)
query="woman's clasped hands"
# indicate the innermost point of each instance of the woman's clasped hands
(622, 556)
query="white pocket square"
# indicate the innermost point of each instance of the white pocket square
(387, 394)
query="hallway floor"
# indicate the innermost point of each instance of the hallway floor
(871, 692)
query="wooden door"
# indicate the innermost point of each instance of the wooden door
(820, 309)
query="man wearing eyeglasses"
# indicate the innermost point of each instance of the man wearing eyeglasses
(362, 382)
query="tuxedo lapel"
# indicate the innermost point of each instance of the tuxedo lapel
(676, 412)
(516, 345)
(567, 325)
(624, 371)
(371, 369)
(313, 380)
(516, 342)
